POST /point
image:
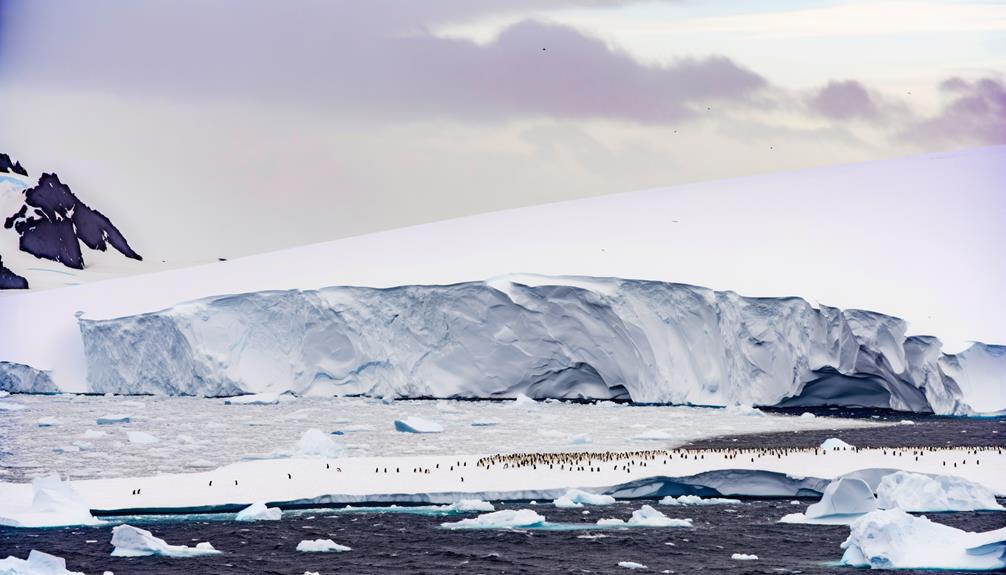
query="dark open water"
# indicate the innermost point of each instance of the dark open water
(405, 543)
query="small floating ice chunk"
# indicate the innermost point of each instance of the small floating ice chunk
(321, 546)
(744, 409)
(524, 401)
(894, 539)
(647, 516)
(112, 419)
(132, 541)
(631, 565)
(506, 519)
(37, 563)
(141, 437)
(470, 505)
(574, 498)
(696, 500)
(259, 512)
(484, 423)
(744, 557)
(916, 492)
(834, 443)
(910, 422)
(807, 415)
(47, 422)
(93, 434)
(417, 425)
(10, 406)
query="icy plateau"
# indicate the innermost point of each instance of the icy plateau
(645, 341)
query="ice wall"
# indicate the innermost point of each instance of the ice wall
(650, 341)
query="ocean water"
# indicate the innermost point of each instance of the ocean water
(384, 542)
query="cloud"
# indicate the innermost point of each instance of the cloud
(844, 100)
(370, 56)
(974, 113)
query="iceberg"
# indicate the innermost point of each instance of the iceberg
(21, 378)
(417, 425)
(696, 500)
(645, 516)
(321, 546)
(37, 563)
(566, 338)
(844, 500)
(317, 443)
(894, 539)
(54, 503)
(132, 541)
(506, 519)
(916, 492)
(259, 512)
(834, 443)
(574, 498)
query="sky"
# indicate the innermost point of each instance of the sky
(223, 128)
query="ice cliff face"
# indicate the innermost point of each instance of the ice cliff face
(20, 378)
(579, 337)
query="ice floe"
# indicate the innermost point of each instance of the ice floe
(321, 546)
(894, 539)
(132, 541)
(259, 512)
(696, 500)
(37, 563)
(574, 498)
(47, 422)
(645, 516)
(505, 519)
(112, 419)
(142, 437)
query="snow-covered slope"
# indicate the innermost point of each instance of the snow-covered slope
(793, 233)
(653, 342)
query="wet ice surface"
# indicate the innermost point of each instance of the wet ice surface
(180, 434)
(414, 543)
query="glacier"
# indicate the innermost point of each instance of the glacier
(557, 337)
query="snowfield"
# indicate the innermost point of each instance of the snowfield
(447, 479)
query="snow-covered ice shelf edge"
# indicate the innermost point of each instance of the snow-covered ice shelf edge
(317, 481)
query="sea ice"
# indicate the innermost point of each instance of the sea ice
(894, 539)
(132, 541)
(259, 399)
(506, 519)
(645, 516)
(578, 498)
(917, 492)
(321, 546)
(141, 437)
(37, 563)
(834, 443)
(417, 425)
(744, 557)
(111, 419)
(654, 435)
(259, 512)
(470, 505)
(696, 500)
(93, 434)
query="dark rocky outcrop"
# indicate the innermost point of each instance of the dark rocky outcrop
(53, 221)
(8, 166)
(10, 280)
